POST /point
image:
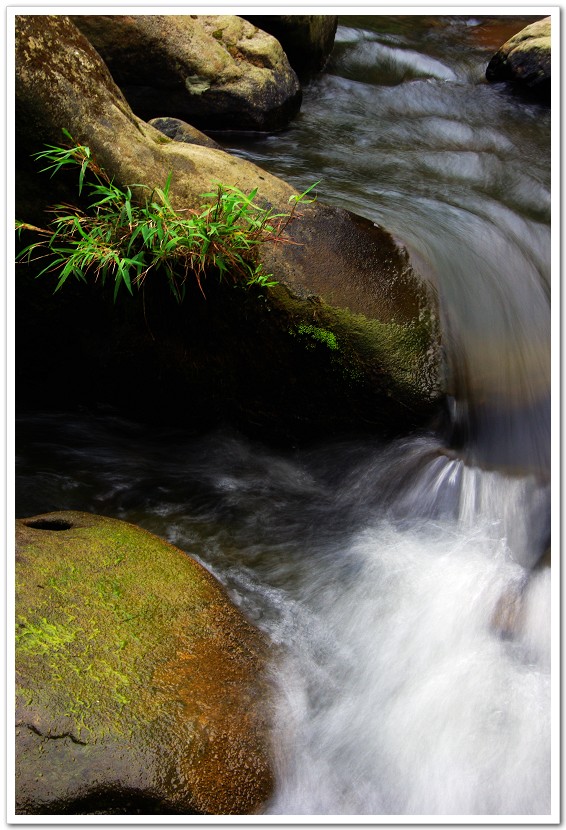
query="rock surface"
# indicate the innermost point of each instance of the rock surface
(525, 60)
(348, 338)
(140, 687)
(214, 71)
(306, 38)
(178, 130)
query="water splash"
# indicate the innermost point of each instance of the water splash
(405, 697)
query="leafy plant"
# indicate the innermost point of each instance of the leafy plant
(123, 237)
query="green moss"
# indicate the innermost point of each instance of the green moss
(319, 335)
(42, 636)
(400, 358)
(93, 603)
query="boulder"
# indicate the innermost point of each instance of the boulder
(216, 72)
(347, 339)
(306, 38)
(525, 60)
(139, 686)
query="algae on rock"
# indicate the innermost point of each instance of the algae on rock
(137, 679)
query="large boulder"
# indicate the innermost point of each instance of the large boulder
(348, 338)
(139, 686)
(306, 38)
(525, 60)
(216, 72)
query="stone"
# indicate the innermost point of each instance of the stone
(307, 39)
(178, 130)
(507, 619)
(525, 60)
(140, 687)
(339, 279)
(218, 72)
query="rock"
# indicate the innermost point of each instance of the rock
(348, 339)
(545, 560)
(178, 130)
(525, 59)
(507, 619)
(306, 38)
(140, 687)
(218, 72)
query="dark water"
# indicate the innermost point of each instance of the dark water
(381, 569)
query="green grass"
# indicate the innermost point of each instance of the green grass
(126, 233)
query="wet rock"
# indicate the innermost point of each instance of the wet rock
(545, 560)
(214, 71)
(178, 130)
(347, 339)
(140, 687)
(306, 38)
(507, 619)
(525, 60)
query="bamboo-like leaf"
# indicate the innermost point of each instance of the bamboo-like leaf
(118, 236)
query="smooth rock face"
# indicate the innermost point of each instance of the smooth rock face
(341, 281)
(306, 38)
(214, 71)
(525, 60)
(140, 687)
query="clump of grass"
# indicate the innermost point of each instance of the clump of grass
(124, 238)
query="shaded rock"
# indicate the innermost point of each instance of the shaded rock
(545, 560)
(507, 619)
(306, 38)
(348, 338)
(178, 130)
(216, 72)
(140, 687)
(525, 60)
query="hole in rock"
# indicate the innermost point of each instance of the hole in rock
(50, 524)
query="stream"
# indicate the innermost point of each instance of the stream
(399, 581)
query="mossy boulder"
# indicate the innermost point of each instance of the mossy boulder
(239, 355)
(215, 71)
(525, 60)
(139, 686)
(306, 38)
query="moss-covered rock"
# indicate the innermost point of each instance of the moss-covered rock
(140, 687)
(235, 356)
(215, 71)
(525, 60)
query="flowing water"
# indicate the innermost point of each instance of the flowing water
(397, 580)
